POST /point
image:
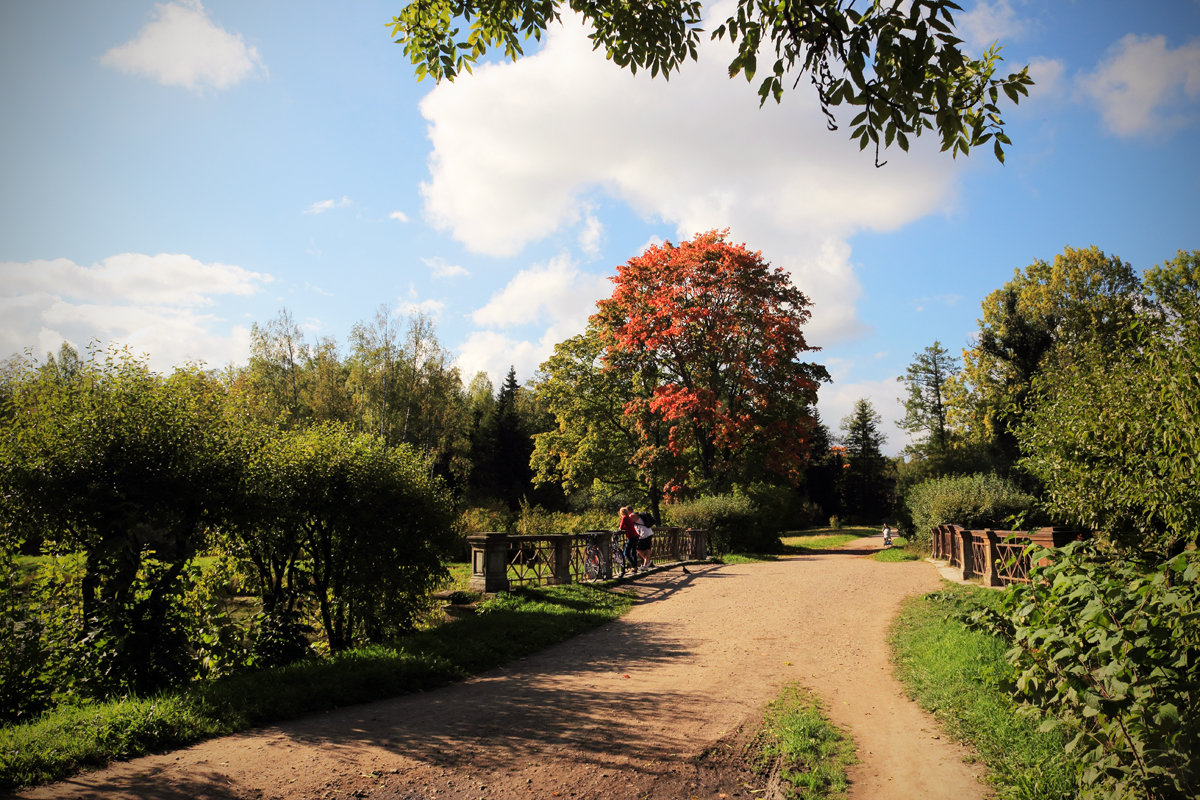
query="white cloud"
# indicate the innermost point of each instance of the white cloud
(494, 353)
(1144, 88)
(440, 268)
(987, 23)
(325, 205)
(554, 292)
(836, 401)
(428, 307)
(182, 47)
(399, 216)
(591, 236)
(1049, 80)
(555, 298)
(563, 124)
(150, 303)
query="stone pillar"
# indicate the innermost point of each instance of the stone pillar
(561, 568)
(489, 562)
(968, 554)
(991, 569)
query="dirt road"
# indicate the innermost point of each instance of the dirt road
(649, 706)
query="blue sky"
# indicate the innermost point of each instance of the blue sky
(171, 173)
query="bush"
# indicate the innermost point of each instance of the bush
(1111, 655)
(731, 520)
(782, 508)
(972, 501)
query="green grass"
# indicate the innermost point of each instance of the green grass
(811, 754)
(961, 676)
(898, 552)
(509, 626)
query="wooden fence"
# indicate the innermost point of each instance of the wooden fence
(996, 557)
(500, 561)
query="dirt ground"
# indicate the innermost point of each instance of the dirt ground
(658, 704)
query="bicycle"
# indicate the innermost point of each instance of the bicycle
(594, 568)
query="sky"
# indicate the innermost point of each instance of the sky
(173, 173)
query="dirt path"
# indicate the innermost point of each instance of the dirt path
(649, 706)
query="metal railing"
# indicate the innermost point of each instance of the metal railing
(500, 561)
(998, 558)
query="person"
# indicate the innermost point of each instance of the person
(645, 539)
(887, 535)
(628, 526)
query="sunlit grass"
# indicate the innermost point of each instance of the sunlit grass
(810, 752)
(961, 676)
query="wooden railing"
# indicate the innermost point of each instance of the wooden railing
(996, 557)
(500, 561)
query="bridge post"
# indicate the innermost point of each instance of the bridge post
(489, 562)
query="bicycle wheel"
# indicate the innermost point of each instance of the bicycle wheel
(592, 568)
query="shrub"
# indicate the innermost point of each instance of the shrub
(731, 521)
(781, 508)
(972, 501)
(1111, 655)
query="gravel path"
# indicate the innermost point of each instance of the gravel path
(655, 705)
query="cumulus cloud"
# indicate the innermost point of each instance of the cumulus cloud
(522, 150)
(1145, 88)
(153, 304)
(591, 236)
(399, 216)
(182, 47)
(554, 298)
(987, 23)
(325, 205)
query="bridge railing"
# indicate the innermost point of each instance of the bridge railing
(500, 561)
(996, 557)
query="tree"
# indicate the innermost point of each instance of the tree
(715, 336)
(372, 523)
(593, 443)
(128, 469)
(273, 375)
(1037, 319)
(1113, 432)
(925, 406)
(865, 485)
(900, 65)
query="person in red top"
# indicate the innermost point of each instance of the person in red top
(628, 526)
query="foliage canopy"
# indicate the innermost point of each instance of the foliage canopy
(900, 66)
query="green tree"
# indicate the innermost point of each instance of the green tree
(273, 377)
(129, 469)
(866, 486)
(593, 443)
(373, 523)
(900, 66)
(1114, 431)
(1033, 324)
(925, 406)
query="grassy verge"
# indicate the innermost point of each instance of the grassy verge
(509, 626)
(961, 676)
(811, 755)
(901, 550)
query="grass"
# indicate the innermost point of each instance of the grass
(898, 552)
(508, 626)
(961, 676)
(810, 753)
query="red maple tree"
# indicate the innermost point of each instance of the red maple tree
(717, 333)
